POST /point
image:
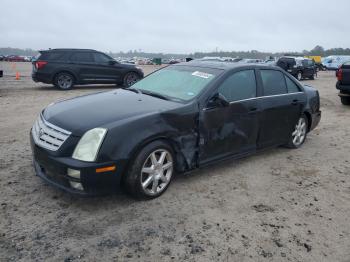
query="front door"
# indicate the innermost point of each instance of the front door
(105, 71)
(232, 128)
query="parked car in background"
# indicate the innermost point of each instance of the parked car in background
(251, 60)
(343, 83)
(68, 67)
(176, 119)
(318, 62)
(299, 67)
(2, 58)
(333, 62)
(15, 58)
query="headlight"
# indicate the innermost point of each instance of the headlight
(89, 145)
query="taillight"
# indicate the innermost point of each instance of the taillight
(40, 64)
(340, 74)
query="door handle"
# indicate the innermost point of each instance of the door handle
(253, 110)
(295, 102)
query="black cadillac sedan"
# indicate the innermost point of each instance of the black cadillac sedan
(177, 119)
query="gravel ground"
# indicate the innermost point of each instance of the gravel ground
(279, 205)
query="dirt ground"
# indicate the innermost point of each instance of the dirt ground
(279, 205)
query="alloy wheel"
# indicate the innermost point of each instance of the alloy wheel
(64, 81)
(156, 172)
(131, 79)
(299, 133)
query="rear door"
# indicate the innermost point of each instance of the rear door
(232, 129)
(309, 68)
(84, 66)
(281, 107)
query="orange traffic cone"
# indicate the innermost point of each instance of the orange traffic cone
(17, 76)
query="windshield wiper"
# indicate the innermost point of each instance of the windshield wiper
(150, 93)
(135, 90)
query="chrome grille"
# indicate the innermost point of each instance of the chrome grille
(47, 135)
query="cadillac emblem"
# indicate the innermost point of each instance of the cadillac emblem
(41, 132)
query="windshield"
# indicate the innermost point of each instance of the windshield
(177, 82)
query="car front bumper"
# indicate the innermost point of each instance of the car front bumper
(53, 170)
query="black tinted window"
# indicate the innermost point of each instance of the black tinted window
(240, 85)
(52, 56)
(81, 57)
(291, 86)
(101, 58)
(273, 82)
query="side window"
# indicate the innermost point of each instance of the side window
(291, 86)
(52, 56)
(273, 82)
(101, 58)
(239, 86)
(81, 57)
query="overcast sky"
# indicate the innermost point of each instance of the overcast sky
(175, 26)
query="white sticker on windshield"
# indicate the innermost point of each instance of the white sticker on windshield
(202, 74)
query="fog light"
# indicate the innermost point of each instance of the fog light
(73, 173)
(76, 185)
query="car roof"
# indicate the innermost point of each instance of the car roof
(68, 49)
(224, 65)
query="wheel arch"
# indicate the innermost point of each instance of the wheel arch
(178, 157)
(75, 79)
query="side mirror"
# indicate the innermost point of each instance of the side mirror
(218, 100)
(112, 62)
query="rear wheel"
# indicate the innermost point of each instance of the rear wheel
(299, 133)
(345, 100)
(130, 79)
(151, 172)
(64, 81)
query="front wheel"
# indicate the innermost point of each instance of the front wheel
(299, 133)
(130, 79)
(151, 172)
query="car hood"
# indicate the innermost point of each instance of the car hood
(80, 114)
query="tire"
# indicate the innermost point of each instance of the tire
(151, 172)
(64, 81)
(312, 77)
(130, 79)
(299, 76)
(298, 136)
(345, 100)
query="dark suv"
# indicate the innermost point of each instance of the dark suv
(343, 83)
(299, 67)
(66, 67)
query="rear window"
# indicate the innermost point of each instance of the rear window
(52, 56)
(273, 82)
